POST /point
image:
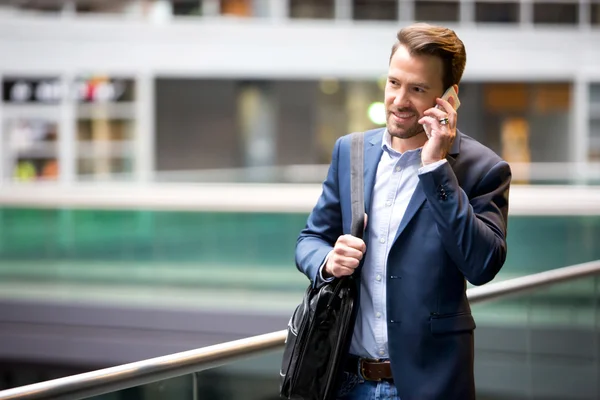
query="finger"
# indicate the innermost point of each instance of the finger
(439, 116)
(436, 113)
(447, 107)
(436, 129)
(343, 262)
(348, 262)
(431, 121)
(340, 271)
(366, 219)
(344, 250)
(357, 243)
(354, 242)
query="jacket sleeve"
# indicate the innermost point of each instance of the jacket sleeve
(473, 231)
(323, 227)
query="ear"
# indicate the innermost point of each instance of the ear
(455, 88)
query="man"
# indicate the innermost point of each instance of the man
(437, 215)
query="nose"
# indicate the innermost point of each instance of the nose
(401, 98)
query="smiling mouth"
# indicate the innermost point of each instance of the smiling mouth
(403, 115)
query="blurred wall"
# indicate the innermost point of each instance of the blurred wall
(196, 124)
(256, 49)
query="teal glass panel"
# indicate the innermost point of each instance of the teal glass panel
(223, 248)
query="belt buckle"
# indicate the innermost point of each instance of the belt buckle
(362, 371)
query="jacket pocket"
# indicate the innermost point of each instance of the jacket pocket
(452, 323)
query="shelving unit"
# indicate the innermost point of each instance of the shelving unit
(100, 114)
(30, 124)
(105, 131)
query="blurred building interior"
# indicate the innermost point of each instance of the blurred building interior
(158, 159)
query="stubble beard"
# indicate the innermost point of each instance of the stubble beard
(401, 132)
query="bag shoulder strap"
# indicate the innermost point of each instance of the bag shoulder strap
(357, 194)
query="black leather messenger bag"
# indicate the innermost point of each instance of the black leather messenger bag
(321, 327)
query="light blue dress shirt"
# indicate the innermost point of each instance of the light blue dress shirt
(395, 182)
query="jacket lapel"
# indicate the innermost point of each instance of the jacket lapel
(418, 197)
(373, 152)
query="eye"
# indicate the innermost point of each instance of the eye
(393, 82)
(419, 89)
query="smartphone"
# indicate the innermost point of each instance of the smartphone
(449, 93)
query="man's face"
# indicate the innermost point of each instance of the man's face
(412, 86)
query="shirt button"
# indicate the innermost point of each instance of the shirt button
(378, 277)
(381, 352)
(388, 203)
(378, 315)
(397, 169)
(382, 240)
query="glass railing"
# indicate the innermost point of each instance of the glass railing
(542, 345)
(120, 252)
(537, 337)
(203, 249)
(254, 378)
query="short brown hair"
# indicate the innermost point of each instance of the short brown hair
(436, 41)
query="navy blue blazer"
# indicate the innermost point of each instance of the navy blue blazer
(454, 229)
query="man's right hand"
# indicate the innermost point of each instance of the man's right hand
(345, 256)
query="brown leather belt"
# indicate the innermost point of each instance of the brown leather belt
(371, 370)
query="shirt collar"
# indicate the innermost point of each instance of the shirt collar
(386, 145)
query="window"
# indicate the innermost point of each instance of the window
(346, 106)
(497, 12)
(551, 98)
(312, 9)
(383, 10)
(555, 13)
(530, 119)
(188, 112)
(238, 8)
(43, 6)
(186, 7)
(448, 11)
(595, 13)
(594, 150)
(106, 6)
(595, 94)
(506, 97)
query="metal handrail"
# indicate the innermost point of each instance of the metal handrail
(142, 372)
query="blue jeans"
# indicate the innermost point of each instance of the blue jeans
(354, 388)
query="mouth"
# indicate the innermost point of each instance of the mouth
(402, 116)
